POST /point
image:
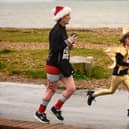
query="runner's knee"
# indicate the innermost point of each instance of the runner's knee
(51, 86)
(71, 89)
(111, 91)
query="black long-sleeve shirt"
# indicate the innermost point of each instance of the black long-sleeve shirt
(120, 62)
(57, 37)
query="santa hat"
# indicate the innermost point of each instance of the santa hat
(60, 11)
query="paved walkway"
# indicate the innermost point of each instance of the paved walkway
(18, 103)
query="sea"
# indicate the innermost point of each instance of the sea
(85, 13)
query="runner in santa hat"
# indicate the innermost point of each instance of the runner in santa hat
(58, 66)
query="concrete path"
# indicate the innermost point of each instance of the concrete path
(20, 101)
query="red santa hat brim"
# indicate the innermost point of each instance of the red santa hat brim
(62, 13)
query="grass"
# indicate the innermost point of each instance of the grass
(93, 36)
(30, 63)
(26, 62)
(23, 35)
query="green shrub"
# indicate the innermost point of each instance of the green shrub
(15, 72)
(77, 75)
(29, 73)
(2, 66)
(6, 51)
(99, 73)
(35, 74)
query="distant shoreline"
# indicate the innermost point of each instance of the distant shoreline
(69, 28)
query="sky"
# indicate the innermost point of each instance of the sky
(9, 1)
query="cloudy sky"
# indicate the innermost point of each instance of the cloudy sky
(4, 1)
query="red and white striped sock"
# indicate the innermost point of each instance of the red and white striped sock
(43, 106)
(60, 102)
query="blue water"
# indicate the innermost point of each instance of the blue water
(85, 13)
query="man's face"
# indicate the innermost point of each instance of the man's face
(66, 19)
